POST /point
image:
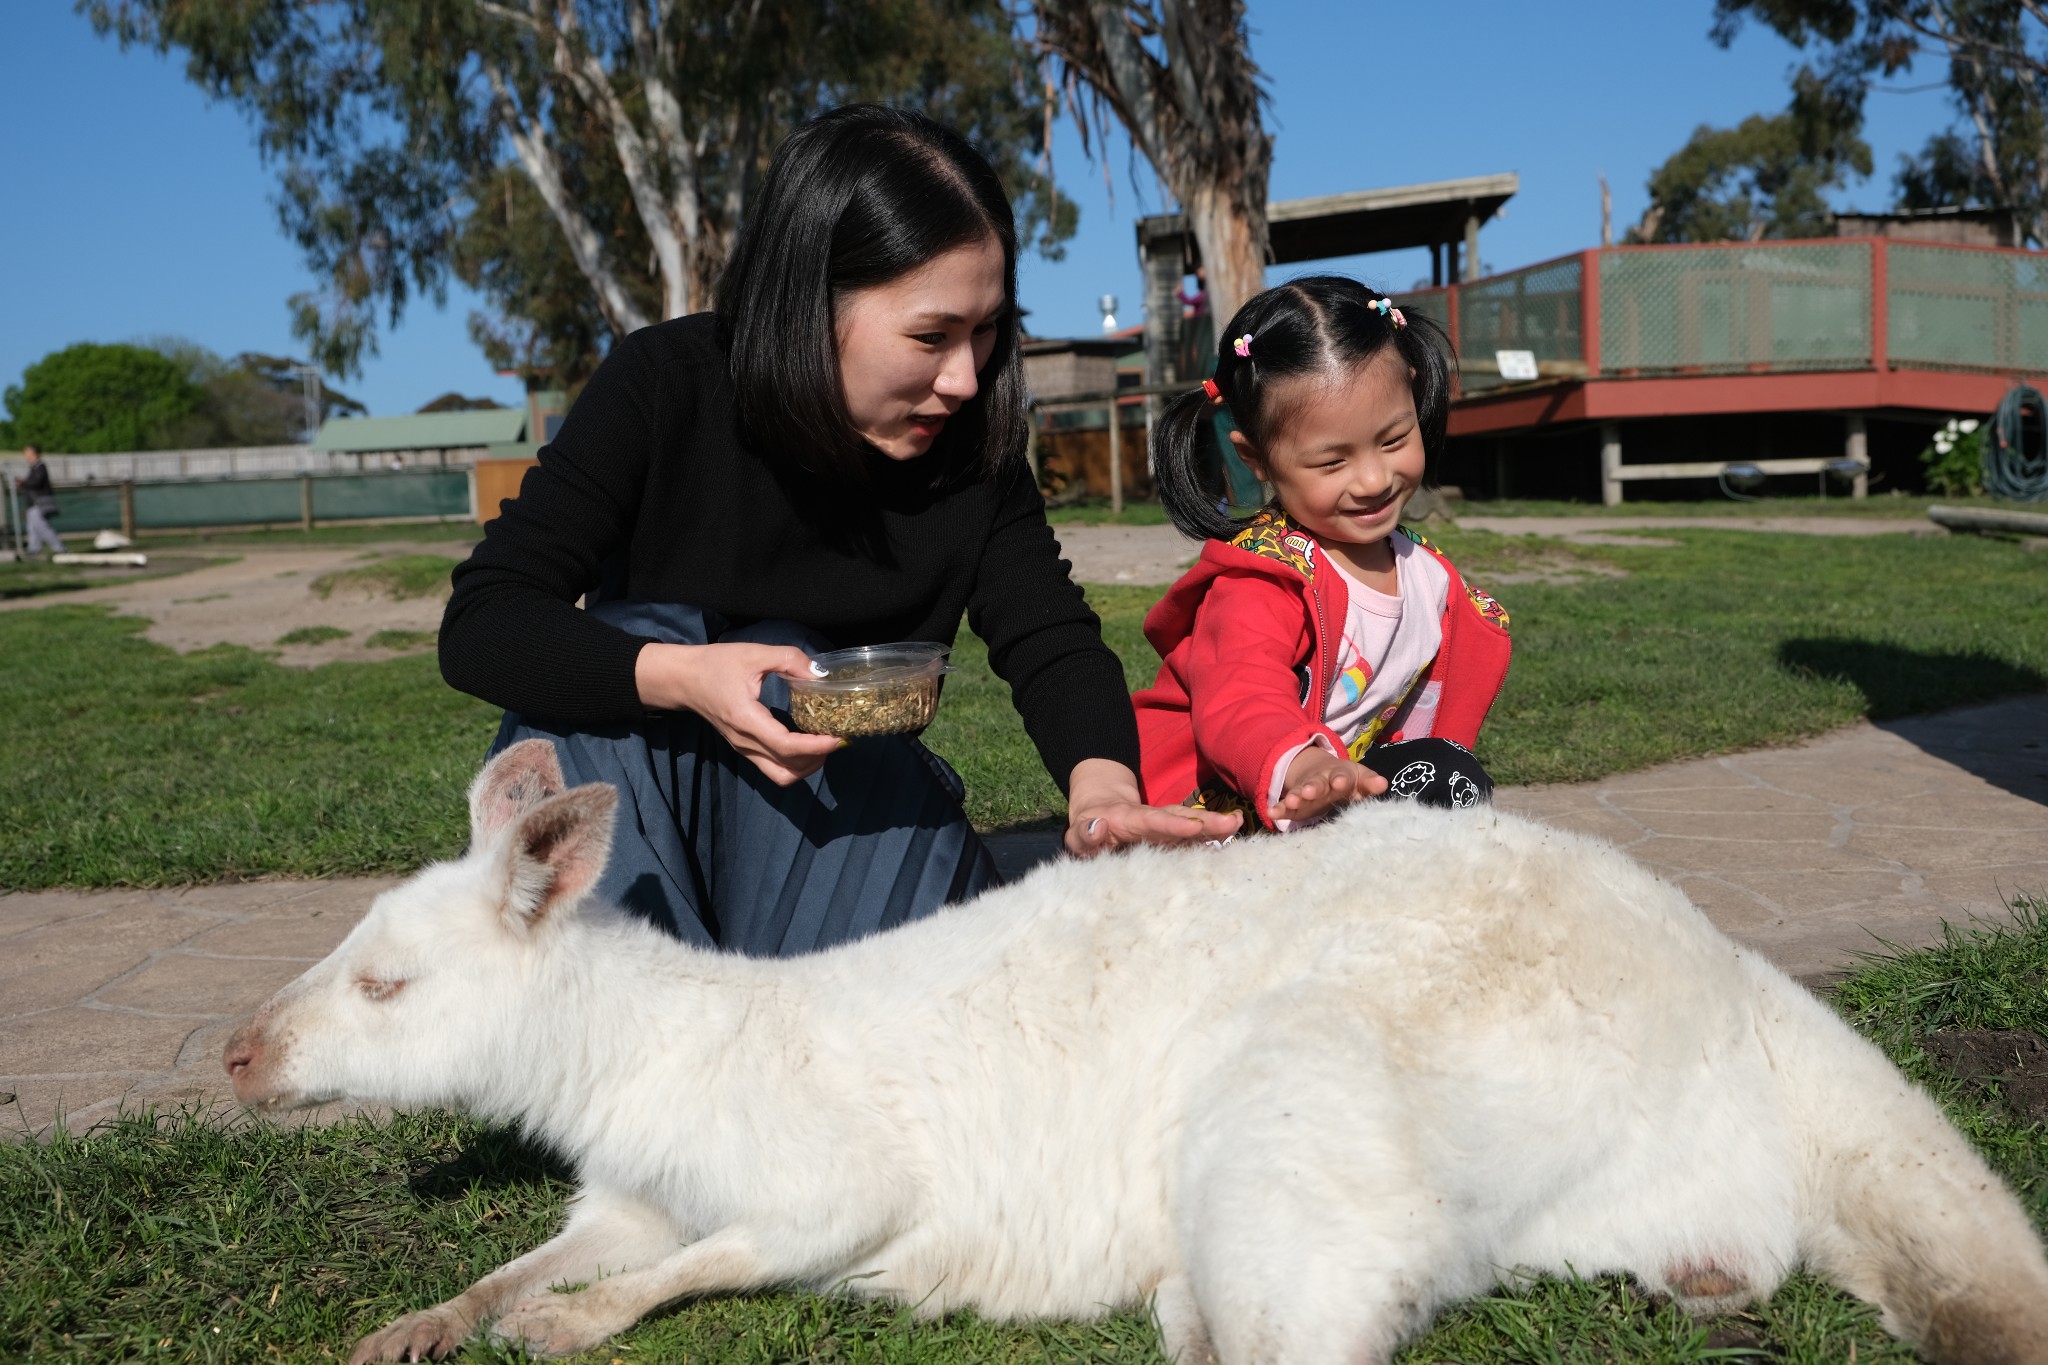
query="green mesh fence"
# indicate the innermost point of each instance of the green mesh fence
(1434, 304)
(1537, 309)
(251, 502)
(1953, 308)
(1776, 305)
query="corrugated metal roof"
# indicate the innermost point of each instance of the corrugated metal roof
(423, 430)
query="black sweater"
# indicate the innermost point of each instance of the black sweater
(648, 489)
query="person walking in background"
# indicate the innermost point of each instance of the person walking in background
(34, 484)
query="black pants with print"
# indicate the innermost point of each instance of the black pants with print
(1435, 772)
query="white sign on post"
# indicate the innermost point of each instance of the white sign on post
(1516, 364)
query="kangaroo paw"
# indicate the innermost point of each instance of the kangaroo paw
(432, 1334)
(557, 1324)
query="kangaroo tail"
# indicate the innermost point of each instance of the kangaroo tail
(1896, 1206)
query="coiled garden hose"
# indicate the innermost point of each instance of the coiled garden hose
(2015, 467)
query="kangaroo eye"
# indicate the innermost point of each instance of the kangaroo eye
(378, 988)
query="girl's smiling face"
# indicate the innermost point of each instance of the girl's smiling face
(1345, 453)
(911, 351)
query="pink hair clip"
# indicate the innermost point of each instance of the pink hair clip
(1243, 346)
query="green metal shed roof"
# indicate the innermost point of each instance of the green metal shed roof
(422, 430)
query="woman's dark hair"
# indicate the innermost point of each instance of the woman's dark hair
(1316, 325)
(855, 198)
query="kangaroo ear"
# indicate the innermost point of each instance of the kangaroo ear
(557, 852)
(512, 784)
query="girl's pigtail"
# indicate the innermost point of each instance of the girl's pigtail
(1428, 353)
(1198, 509)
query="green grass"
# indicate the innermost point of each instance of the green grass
(1096, 512)
(978, 732)
(1723, 642)
(132, 765)
(1730, 641)
(399, 576)
(196, 1240)
(38, 578)
(400, 639)
(312, 635)
(151, 768)
(286, 538)
(1796, 505)
(35, 577)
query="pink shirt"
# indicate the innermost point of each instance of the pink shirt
(1387, 641)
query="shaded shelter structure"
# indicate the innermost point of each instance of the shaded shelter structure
(1443, 216)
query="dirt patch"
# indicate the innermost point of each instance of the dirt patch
(1541, 568)
(1149, 555)
(2013, 1061)
(265, 595)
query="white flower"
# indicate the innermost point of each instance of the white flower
(1968, 425)
(1942, 445)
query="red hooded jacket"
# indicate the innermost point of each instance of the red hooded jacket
(1248, 639)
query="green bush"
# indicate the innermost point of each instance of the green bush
(1955, 459)
(88, 399)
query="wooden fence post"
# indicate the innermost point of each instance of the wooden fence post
(305, 502)
(1116, 458)
(1857, 448)
(128, 508)
(1610, 464)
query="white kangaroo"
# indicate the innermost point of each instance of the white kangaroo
(1298, 1093)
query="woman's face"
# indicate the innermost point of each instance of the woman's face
(911, 351)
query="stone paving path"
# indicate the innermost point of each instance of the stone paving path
(1811, 854)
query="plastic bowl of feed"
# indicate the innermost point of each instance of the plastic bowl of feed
(870, 690)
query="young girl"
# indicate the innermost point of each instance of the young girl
(1317, 652)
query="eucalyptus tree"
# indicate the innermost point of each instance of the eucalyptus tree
(1179, 76)
(1766, 177)
(584, 163)
(1995, 59)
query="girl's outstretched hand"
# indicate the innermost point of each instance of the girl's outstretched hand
(1106, 810)
(722, 683)
(1318, 781)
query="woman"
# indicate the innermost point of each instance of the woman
(834, 458)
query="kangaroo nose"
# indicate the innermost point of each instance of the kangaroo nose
(243, 1050)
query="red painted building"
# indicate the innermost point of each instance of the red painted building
(1668, 362)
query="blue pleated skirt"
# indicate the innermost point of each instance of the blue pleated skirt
(711, 850)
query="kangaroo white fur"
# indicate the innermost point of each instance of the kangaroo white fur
(1298, 1093)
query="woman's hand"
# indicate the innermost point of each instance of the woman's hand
(1106, 810)
(722, 683)
(1318, 780)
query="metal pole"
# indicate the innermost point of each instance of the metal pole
(306, 502)
(128, 508)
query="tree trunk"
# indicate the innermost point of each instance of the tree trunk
(1231, 254)
(1194, 116)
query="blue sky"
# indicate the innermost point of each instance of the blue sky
(134, 208)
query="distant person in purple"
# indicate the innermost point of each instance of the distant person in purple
(34, 484)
